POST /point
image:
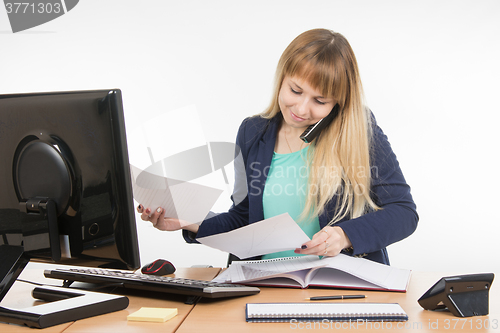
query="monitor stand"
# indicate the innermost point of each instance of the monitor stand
(66, 304)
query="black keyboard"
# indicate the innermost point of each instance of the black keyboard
(163, 284)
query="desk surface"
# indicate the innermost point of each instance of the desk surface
(19, 296)
(117, 321)
(209, 315)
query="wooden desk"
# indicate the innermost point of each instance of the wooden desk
(208, 315)
(116, 322)
(229, 314)
(19, 296)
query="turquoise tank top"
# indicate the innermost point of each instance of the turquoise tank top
(285, 191)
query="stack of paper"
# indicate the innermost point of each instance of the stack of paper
(341, 271)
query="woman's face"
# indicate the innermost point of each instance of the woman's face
(300, 104)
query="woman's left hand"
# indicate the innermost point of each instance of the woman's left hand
(329, 241)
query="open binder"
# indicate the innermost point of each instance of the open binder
(341, 271)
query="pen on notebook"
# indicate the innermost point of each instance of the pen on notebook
(324, 298)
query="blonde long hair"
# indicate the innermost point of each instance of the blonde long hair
(339, 164)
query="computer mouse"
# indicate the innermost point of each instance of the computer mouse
(158, 267)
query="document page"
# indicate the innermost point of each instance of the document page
(385, 276)
(278, 233)
(263, 269)
(267, 268)
(183, 200)
(240, 271)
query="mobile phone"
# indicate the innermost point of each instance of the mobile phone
(312, 131)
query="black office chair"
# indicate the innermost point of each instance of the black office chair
(232, 258)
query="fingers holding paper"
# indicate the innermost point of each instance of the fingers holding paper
(160, 222)
(329, 241)
(153, 216)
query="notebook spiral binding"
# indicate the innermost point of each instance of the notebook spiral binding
(281, 312)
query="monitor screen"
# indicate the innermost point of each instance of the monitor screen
(65, 185)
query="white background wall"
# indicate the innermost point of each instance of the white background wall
(430, 71)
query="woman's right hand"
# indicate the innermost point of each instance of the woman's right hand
(160, 222)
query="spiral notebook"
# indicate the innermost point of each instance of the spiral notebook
(284, 312)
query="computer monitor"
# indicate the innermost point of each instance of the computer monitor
(65, 185)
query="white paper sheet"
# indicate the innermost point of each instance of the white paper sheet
(255, 270)
(182, 200)
(279, 233)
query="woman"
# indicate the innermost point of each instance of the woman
(344, 187)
